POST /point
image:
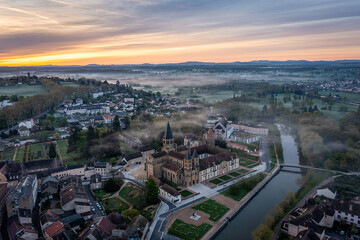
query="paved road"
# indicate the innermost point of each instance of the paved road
(93, 201)
(265, 152)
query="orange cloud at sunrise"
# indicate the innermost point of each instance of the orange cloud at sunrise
(132, 32)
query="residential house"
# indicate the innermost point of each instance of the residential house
(347, 211)
(24, 131)
(21, 201)
(49, 186)
(18, 231)
(29, 123)
(108, 119)
(102, 168)
(328, 192)
(54, 229)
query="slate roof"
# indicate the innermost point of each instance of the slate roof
(133, 156)
(170, 190)
(168, 133)
(159, 154)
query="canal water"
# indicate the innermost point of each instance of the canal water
(274, 192)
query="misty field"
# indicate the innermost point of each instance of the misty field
(68, 84)
(22, 90)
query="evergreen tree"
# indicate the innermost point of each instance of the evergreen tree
(116, 123)
(311, 110)
(90, 135)
(52, 151)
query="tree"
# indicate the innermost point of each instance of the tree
(90, 135)
(220, 143)
(42, 136)
(52, 151)
(116, 123)
(151, 191)
(111, 186)
(126, 122)
(129, 214)
(263, 232)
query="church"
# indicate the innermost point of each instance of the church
(191, 163)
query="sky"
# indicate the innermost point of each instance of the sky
(64, 32)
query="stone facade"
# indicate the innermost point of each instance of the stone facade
(186, 165)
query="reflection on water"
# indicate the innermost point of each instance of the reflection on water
(274, 192)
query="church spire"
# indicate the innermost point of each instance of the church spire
(168, 133)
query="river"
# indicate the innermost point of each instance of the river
(273, 193)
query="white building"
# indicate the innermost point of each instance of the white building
(347, 211)
(169, 193)
(328, 192)
(29, 123)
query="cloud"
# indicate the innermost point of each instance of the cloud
(47, 26)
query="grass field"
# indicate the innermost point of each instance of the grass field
(216, 181)
(149, 213)
(225, 177)
(114, 205)
(185, 193)
(242, 171)
(188, 231)
(19, 155)
(35, 148)
(22, 90)
(234, 174)
(100, 194)
(214, 209)
(7, 155)
(69, 84)
(247, 163)
(62, 144)
(130, 193)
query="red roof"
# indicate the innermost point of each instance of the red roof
(172, 167)
(104, 225)
(53, 228)
(210, 133)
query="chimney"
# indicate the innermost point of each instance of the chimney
(350, 207)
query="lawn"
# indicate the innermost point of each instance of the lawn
(100, 194)
(234, 174)
(216, 181)
(63, 146)
(188, 231)
(37, 151)
(129, 193)
(19, 155)
(22, 90)
(185, 193)
(7, 155)
(244, 187)
(214, 209)
(225, 177)
(149, 213)
(247, 163)
(243, 171)
(68, 84)
(253, 165)
(114, 205)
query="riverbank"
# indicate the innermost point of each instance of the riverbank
(300, 203)
(233, 206)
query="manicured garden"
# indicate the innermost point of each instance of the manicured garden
(188, 231)
(234, 174)
(214, 209)
(225, 177)
(63, 148)
(185, 193)
(238, 191)
(216, 181)
(242, 171)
